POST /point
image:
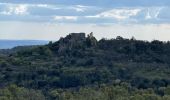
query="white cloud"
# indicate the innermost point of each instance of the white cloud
(7, 12)
(42, 5)
(15, 9)
(53, 7)
(157, 12)
(153, 12)
(85, 14)
(119, 14)
(95, 16)
(148, 16)
(20, 10)
(79, 8)
(59, 18)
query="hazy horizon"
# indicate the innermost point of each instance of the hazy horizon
(50, 20)
(8, 44)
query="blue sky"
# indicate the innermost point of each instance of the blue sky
(51, 19)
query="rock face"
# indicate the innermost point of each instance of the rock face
(78, 36)
(73, 37)
(91, 40)
(75, 41)
(72, 41)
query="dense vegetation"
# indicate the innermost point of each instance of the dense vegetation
(81, 68)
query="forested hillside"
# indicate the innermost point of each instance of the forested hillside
(80, 67)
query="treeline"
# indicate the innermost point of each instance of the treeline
(115, 91)
(12, 92)
(122, 91)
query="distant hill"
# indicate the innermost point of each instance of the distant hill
(80, 67)
(7, 44)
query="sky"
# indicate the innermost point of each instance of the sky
(52, 19)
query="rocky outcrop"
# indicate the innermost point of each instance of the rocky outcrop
(72, 41)
(75, 41)
(91, 40)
